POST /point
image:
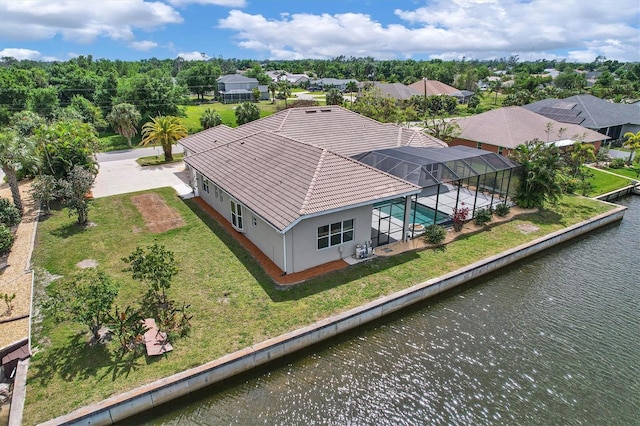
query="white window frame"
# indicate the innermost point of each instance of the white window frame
(237, 215)
(335, 234)
(205, 185)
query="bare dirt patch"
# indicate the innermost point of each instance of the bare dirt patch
(87, 263)
(527, 228)
(158, 216)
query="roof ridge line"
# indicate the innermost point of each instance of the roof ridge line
(312, 185)
(284, 119)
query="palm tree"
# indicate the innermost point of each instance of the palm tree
(495, 87)
(124, 118)
(632, 143)
(352, 86)
(163, 130)
(16, 151)
(247, 112)
(273, 87)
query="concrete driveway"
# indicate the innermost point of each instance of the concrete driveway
(120, 174)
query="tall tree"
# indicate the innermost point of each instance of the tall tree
(247, 112)
(200, 78)
(352, 86)
(632, 143)
(163, 130)
(74, 190)
(273, 87)
(124, 119)
(15, 150)
(284, 91)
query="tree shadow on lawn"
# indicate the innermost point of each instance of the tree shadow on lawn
(68, 230)
(279, 293)
(79, 360)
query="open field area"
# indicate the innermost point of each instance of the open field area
(234, 303)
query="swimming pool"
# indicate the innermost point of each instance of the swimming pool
(423, 214)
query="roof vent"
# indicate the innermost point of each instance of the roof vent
(309, 111)
(325, 110)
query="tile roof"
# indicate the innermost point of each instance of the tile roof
(434, 87)
(335, 128)
(397, 90)
(283, 180)
(511, 126)
(597, 113)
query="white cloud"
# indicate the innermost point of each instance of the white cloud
(476, 29)
(228, 3)
(193, 56)
(143, 45)
(82, 21)
(20, 54)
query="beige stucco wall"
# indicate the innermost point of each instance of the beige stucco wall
(302, 246)
(301, 240)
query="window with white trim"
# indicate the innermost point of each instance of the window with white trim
(335, 234)
(500, 149)
(205, 185)
(479, 145)
(218, 193)
(236, 215)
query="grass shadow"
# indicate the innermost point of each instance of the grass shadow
(77, 360)
(279, 293)
(68, 230)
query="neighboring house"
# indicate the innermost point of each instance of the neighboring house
(610, 119)
(397, 91)
(293, 79)
(314, 185)
(434, 87)
(235, 88)
(330, 83)
(502, 130)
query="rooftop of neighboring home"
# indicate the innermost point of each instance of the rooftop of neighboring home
(396, 90)
(434, 87)
(588, 111)
(235, 78)
(511, 126)
(331, 127)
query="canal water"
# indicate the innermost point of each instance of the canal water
(553, 340)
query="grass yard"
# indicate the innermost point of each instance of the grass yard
(602, 182)
(234, 303)
(631, 172)
(157, 160)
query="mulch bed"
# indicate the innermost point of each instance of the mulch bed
(158, 216)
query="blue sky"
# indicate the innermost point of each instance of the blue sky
(576, 30)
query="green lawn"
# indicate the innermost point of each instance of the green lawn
(234, 303)
(631, 172)
(602, 182)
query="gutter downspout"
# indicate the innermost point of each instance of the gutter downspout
(284, 246)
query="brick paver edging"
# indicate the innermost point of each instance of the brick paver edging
(121, 406)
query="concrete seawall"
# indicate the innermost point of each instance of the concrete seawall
(120, 407)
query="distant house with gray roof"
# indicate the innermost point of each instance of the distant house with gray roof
(330, 83)
(434, 87)
(589, 111)
(397, 91)
(236, 88)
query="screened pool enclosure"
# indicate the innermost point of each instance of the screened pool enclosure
(450, 177)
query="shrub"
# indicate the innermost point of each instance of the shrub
(459, 217)
(617, 163)
(502, 209)
(483, 216)
(435, 234)
(9, 213)
(6, 239)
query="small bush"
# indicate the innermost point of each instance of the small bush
(459, 217)
(617, 163)
(9, 213)
(6, 239)
(502, 209)
(435, 234)
(483, 216)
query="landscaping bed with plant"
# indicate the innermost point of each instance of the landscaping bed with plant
(233, 303)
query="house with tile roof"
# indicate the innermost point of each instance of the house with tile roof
(397, 91)
(235, 88)
(289, 184)
(609, 118)
(434, 87)
(502, 130)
